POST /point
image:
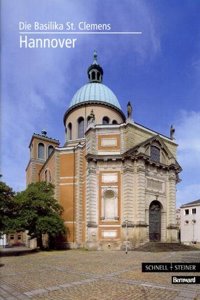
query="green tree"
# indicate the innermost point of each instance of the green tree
(8, 210)
(39, 212)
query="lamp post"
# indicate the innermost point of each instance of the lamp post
(193, 222)
(126, 222)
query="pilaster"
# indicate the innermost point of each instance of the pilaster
(171, 208)
(91, 205)
(128, 184)
(57, 176)
(140, 204)
(79, 196)
(172, 199)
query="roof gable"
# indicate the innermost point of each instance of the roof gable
(144, 150)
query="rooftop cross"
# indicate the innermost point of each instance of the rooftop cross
(95, 58)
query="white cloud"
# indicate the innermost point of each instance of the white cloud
(187, 193)
(137, 16)
(34, 84)
(188, 138)
(37, 83)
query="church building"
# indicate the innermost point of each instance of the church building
(115, 178)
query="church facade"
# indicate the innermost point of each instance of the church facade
(115, 178)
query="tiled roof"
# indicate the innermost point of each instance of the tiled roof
(193, 203)
(45, 137)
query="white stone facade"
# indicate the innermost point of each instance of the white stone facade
(141, 182)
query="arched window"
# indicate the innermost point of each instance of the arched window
(114, 122)
(41, 150)
(105, 120)
(50, 150)
(155, 221)
(70, 131)
(155, 154)
(80, 127)
(93, 75)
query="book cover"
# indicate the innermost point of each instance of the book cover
(101, 99)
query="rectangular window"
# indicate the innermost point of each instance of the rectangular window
(194, 211)
(186, 211)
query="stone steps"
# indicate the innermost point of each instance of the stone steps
(164, 247)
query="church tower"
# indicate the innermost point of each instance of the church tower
(41, 147)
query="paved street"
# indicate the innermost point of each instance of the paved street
(83, 275)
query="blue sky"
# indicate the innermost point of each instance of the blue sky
(159, 71)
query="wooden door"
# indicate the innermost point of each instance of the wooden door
(155, 221)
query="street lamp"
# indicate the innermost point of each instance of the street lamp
(193, 222)
(126, 222)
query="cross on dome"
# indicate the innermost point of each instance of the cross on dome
(95, 58)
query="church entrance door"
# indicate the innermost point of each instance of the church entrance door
(155, 221)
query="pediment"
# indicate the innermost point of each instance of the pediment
(148, 149)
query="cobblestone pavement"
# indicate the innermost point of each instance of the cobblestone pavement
(95, 275)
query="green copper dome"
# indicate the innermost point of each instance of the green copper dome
(95, 91)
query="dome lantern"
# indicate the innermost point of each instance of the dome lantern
(94, 94)
(95, 71)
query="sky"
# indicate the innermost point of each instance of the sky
(158, 71)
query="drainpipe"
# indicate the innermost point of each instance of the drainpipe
(74, 170)
(85, 121)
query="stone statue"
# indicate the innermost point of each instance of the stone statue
(91, 119)
(44, 132)
(172, 131)
(129, 110)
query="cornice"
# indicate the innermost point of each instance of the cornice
(44, 138)
(87, 103)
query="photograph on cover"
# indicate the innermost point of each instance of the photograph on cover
(100, 149)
